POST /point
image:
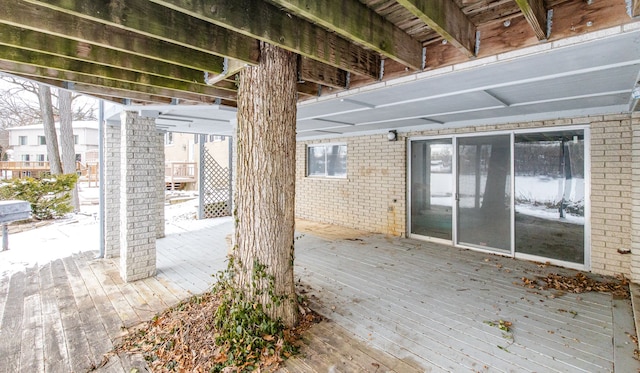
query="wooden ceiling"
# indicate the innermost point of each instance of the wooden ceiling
(188, 51)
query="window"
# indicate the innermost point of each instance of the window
(76, 139)
(327, 160)
(78, 157)
(42, 140)
(40, 157)
(25, 157)
(22, 140)
(168, 138)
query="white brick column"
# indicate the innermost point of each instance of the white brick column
(635, 199)
(112, 191)
(138, 197)
(160, 184)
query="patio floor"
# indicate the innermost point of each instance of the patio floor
(392, 305)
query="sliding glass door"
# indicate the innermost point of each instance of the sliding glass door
(431, 188)
(550, 195)
(520, 193)
(484, 192)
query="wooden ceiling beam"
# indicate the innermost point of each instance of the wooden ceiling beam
(319, 73)
(62, 47)
(444, 17)
(44, 60)
(264, 21)
(37, 18)
(78, 78)
(112, 95)
(635, 9)
(355, 21)
(159, 22)
(536, 15)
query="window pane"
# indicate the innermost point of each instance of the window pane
(484, 191)
(316, 161)
(337, 160)
(550, 195)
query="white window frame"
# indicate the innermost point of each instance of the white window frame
(21, 142)
(326, 175)
(42, 140)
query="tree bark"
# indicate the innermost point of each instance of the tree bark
(265, 184)
(67, 143)
(44, 98)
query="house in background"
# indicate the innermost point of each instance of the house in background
(28, 144)
(182, 157)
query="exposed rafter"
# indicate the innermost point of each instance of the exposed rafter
(28, 16)
(536, 15)
(264, 21)
(62, 47)
(319, 73)
(444, 17)
(109, 94)
(68, 76)
(153, 20)
(356, 22)
(635, 8)
(38, 59)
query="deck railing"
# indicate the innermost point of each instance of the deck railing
(20, 169)
(179, 173)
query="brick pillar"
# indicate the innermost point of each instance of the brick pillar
(160, 184)
(635, 199)
(138, 197)
(112, 191)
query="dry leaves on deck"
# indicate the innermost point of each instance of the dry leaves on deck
(579, 283)
(183, 339)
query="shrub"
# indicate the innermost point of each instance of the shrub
(49, 197)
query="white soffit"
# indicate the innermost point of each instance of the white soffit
(552, 81)
(593, 77)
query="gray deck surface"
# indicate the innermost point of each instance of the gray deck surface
(392, 305)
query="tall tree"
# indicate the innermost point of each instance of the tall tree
(265, 183)
(67, 143)
(51, 137)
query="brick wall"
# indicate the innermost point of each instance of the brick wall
(112, 191)
(138, 197)
(376, 175)
(611, 194)
(372, 197)
(635, 199)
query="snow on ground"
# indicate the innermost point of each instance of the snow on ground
(81, 232)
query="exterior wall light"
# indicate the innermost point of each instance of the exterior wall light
(392, 135)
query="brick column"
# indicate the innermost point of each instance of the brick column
(138, 197)
(112, 191)
(160, 184)
(635, 198)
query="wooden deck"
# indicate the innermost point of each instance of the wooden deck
(391, 304)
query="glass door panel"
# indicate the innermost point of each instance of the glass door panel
(484, 192)
(550, 195)
(431, 188)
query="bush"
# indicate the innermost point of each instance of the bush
(49, 197)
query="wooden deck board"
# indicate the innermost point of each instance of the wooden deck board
(31, 352)
(56, 357)
(11, 328)
(393, 305)
(545, 330)
(91, 320)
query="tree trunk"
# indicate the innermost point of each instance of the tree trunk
(44, 97)
(67, 143)
(265, 184)
(494, 200)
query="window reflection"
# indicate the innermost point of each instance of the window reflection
(550, 195)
